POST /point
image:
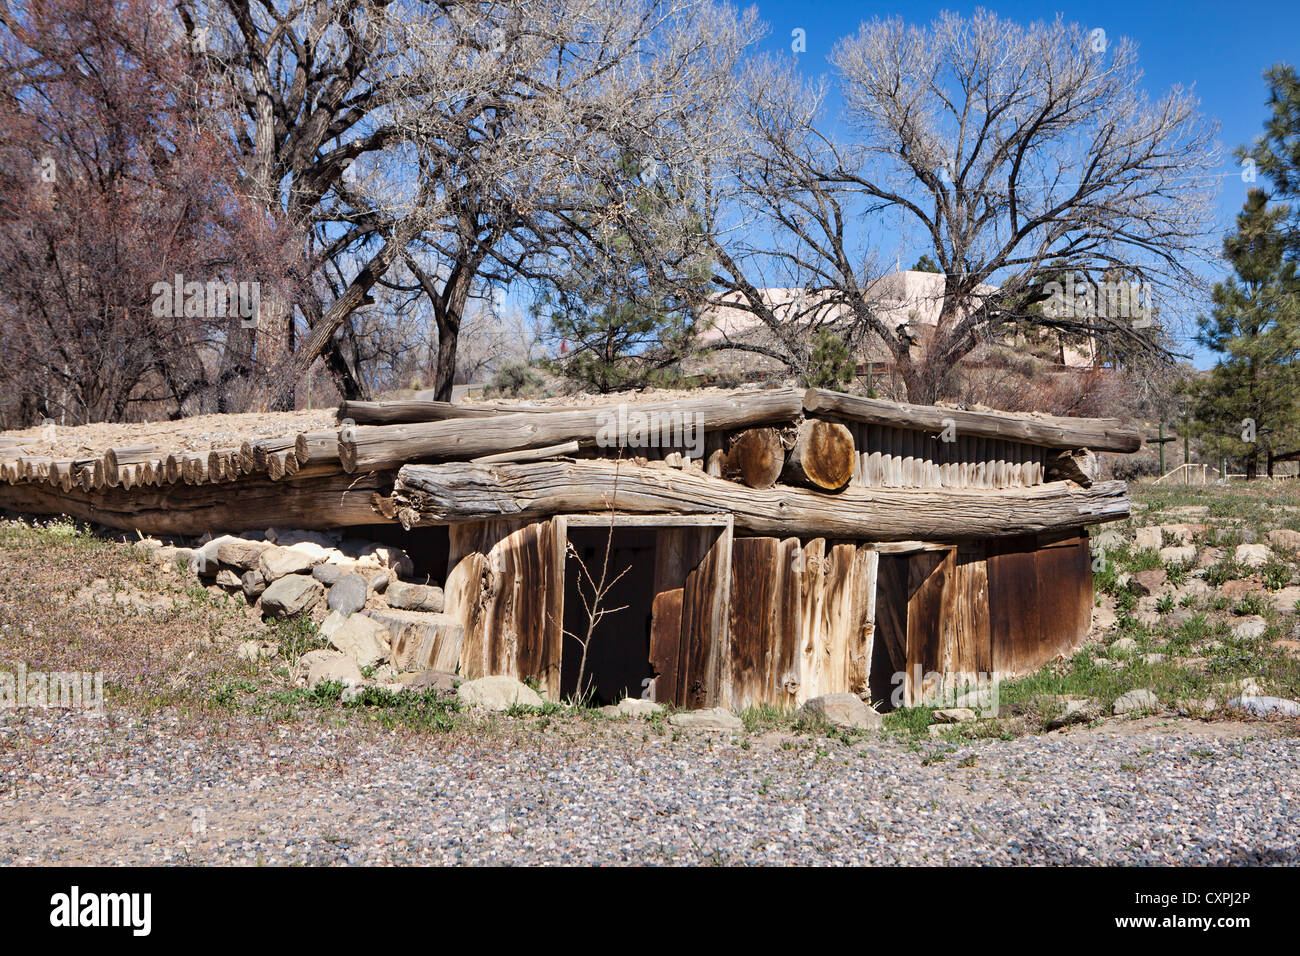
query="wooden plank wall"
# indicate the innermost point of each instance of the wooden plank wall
(802, 620)
(506, 587)
(910, 458)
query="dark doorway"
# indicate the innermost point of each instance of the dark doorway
(618, 656)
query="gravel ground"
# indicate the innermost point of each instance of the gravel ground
(156, 789)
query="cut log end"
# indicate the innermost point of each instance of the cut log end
(822, 456)
(755, 458)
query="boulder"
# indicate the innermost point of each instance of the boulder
(327, 574)
(333, 621)
(1252, 555)
(338, 668)
(240, 553)
(1284, 538)
(277, 562)
(379, 581)
(1106, 540)
(290, 596)
(954, 715)
(1209, 557)
(363, 640)
(842, 710)
(1249, 628)
(1125, 645)
(497, 694)
(348, 594)
(444, 682)
(1134, 701)
(1103, 618)
(227, 578)
(420, 639)
(1265, 706)
(1182, 533)
(414, 597)
(1147, 539)
(303, 665)
(1236, 590)
(253, 584)
(1062, 710)
(716, 718)
(379, 557)
(1148, 582)
(1285, 600)
(249, 651)
(632, 707)
(1178, 554)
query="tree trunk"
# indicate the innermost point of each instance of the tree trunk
(459, 491)
(755, 458)
(822, 457)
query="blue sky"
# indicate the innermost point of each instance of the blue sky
(1219, 49)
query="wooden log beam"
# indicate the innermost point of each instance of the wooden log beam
(450, 493)
(331, 501)
(412, 412)
(363, 448)
(821, 456)
(530, 454)
(115, 458)
(311, 447)
(1097, 434)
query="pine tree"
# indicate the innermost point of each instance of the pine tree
(1277, 152)
(1249, 406)
(616, 329)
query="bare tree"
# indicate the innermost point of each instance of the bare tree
(1009, 153)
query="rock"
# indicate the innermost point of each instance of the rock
(379, 582)
(348, 595)
(414, 597)
(1284, 538)
(716, 718)
(632, 707)
(333, 621)
(227, 578)
(1148, 582)
(379, 557)
(1195, 588)
(303, 665)
(253, 584)
(1135, 700)
(1106, 540)
(1247, 535)
(497, 694)
(338, 668)
(1265, 706)
(363, 640)
(249, 651)
(291, 595)
(421, 639)
(1249, 628)
(1252, 555)
(327, 574)
(1153, 658)
(1236, 590)
(1178, 554)
(954, 715)
(1147, 539)
(846, 711)
(240, 553)
(1245, 687)
(1182, 533)
(1103, 618)
(277, 562)
(1286, 599)
(1062, 710)
(1179, 616)
(1124, 645)
(444, 682)
(1209, 557)
(1288, 647)
(1196, 706)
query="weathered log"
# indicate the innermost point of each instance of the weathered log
(281, 465)
(114, 458)
(660, 424)
(444, 494)
(821, 456)
(755, 458)
(311, 447)
(332, 501)
(173, 466)
(265, 448)
(530, 454)
(412, 412)
(1100, 434)
(1077, 464)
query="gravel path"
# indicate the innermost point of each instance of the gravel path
(154, 790)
